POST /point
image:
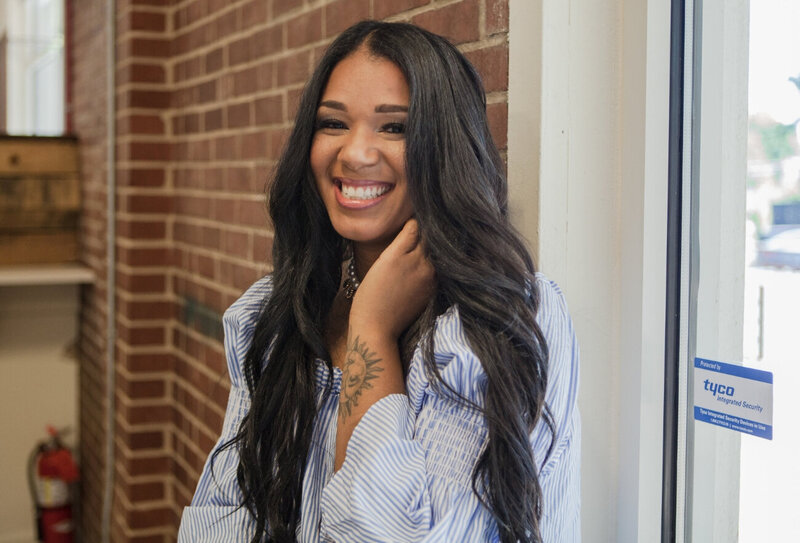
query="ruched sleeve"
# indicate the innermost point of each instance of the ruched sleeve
(407, 473)
(215, 514)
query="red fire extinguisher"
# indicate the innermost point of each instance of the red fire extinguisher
(51, 472)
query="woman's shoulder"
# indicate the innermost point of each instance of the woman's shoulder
(461, 369)
(551, 298)
(246, 309)
(240, 319)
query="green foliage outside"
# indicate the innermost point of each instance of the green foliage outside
(775, 139)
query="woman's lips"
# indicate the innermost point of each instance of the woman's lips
(360, 193)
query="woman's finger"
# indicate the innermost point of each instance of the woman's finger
(408, 237)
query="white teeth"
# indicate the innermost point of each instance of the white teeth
(363, 193)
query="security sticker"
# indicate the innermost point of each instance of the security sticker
(733, 397)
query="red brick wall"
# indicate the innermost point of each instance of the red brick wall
(205, 95)
(89, 121)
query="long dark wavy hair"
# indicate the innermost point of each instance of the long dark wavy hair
(459, 193)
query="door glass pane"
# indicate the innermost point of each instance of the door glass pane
(770, 472)
(744, 279)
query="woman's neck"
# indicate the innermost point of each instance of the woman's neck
(366, 254)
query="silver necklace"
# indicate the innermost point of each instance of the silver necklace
(351, 283)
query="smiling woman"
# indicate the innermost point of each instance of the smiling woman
(404, 374)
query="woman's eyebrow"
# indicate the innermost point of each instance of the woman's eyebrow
(391, 108)
(382, 108)
(333, 104)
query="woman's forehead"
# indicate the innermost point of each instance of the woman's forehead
(363, 78)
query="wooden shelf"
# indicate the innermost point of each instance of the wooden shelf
(45, 274)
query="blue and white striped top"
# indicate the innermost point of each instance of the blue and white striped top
(409, 462)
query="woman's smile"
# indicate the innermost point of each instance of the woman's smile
(359, 194)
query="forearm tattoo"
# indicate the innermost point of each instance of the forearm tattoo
(360, 367)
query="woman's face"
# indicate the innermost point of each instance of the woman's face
(358, 150)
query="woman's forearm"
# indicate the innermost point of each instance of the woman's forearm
(371, 371)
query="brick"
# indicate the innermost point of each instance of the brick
(141, 257)
(498, 123)
(238, 179)
(146, 48)
(204, 266)
(215, 6)
(197, 10)
(193, 206)
(145, 99)
(227, 24)
(140, 124)
(140, 177)
(146, 362)
(148, 21)
(387, 8)
(268, 41)
(140, 518)
(239, 51)
(141, 440)
(262, 248)
(269, 110)
(206, 92)
(252, 213)
(235, 244)
(245, 81)
(223, 209)
(140, 73)
(150, 491)
(293, 69)
(210, 237)
(343, 13)
(141, 335)
(186, 124)
(214, 60)
(253, 13)
(255, 145)
(304, 29)
(277, 139)
(146, 414)
(144, 230)
(148, 151)
(279, 7)
(226, 148)
(293, 102)
(213, 119)
(141, 283)
(492, 64)
(147, 203)
(457, 22)
(188, 69)
(496, 16)
(240, 277)
(239, 115)
(145, 389)
(147, 310)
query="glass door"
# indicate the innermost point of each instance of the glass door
(737, 438)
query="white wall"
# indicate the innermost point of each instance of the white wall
(38, 386)
(590, 79)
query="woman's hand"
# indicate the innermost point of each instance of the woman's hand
(397, 287)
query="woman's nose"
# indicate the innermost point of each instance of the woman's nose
(359, 149)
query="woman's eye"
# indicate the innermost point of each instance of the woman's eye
(330, 124)
(395, 128)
